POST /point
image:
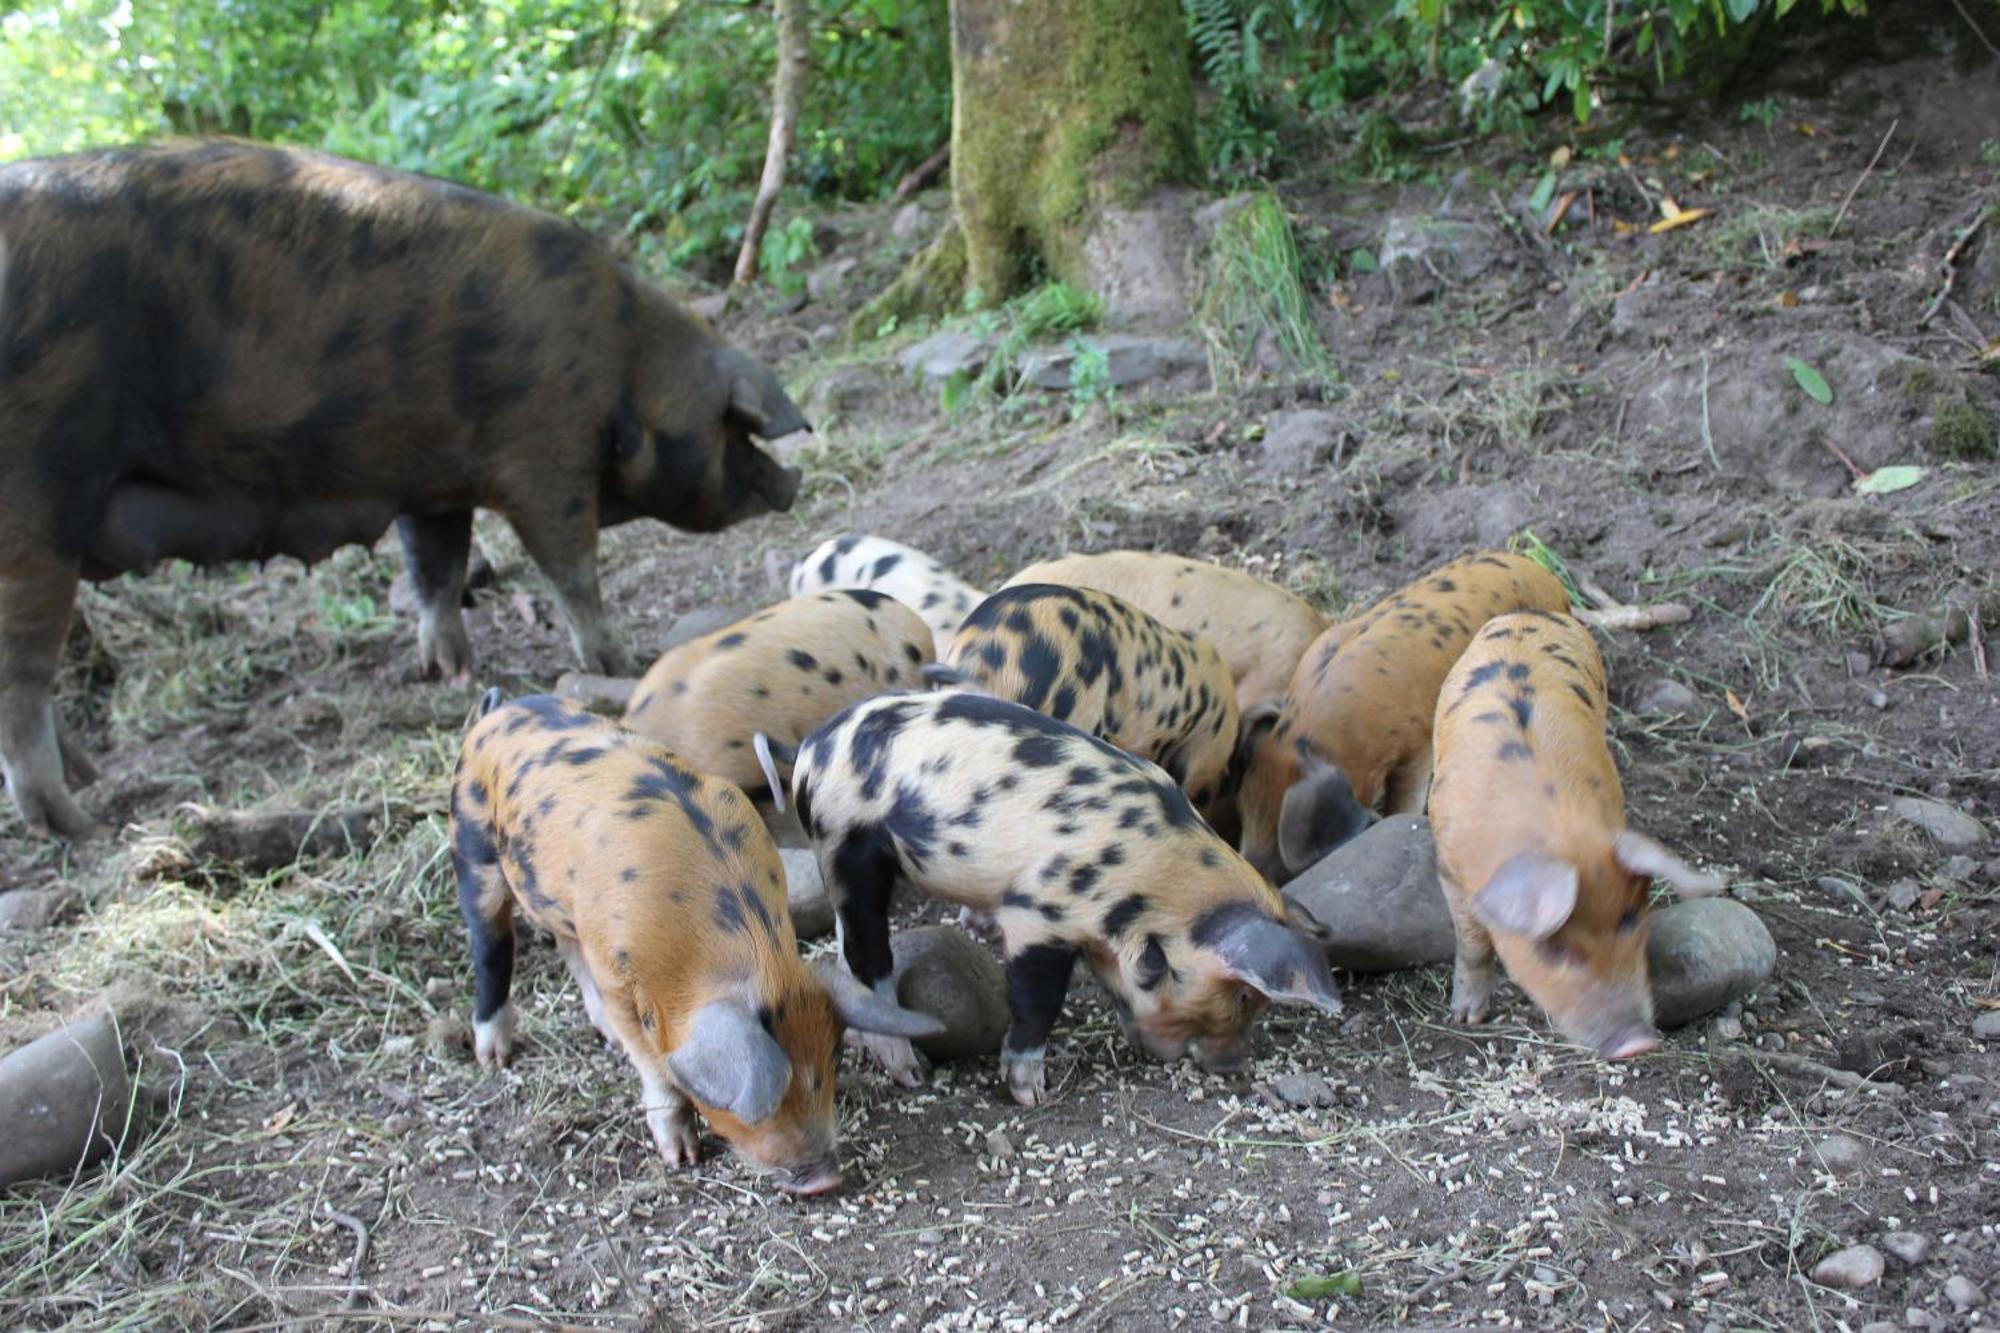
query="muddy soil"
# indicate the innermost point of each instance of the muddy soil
(1624, 396)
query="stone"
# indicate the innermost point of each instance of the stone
(1851, 1269)
(943, 355)
(911, 223)
(1375, 901)
(65, 1099)
(941, 972)
(1836, 886)
(600, 694)
(844, 391)
(805, 893)
(1701, 954)
(1902, 895)
(1841, 1154)
(1912, 1247)
(1301, 440)
(1986, 1027)
(999, 1145)
(1668, 698)
(1949, 827)
(1129, 359)
(1139, 259)
(1422, 255)
(1958, 869)
(712, 306)
(826, 282)
(691, 625)
(1726, 1029)
(31, 909)
(448, 1035)
(1303, 1090)
(1881, 1326)
(1963, 1293)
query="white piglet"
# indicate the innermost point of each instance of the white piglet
(919, 581)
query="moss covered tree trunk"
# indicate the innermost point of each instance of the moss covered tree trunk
(1064, 112)
(1060, 109)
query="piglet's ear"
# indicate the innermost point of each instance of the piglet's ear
(865, 1011)
(1642, 856)
(729, 1061)
(1318, 814)
(1268, 956)
(1531, 894)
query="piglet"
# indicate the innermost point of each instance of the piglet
(919, 581)
(667, 901)
(1532, 848)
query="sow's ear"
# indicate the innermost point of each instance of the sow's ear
(1642, 856)
(1268, 956)
(865, 1011)
(1531, 894)
(1319, 813)
(730, 1061)
(756, 397)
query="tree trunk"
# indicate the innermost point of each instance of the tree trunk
(1061, 109)
(785, 98)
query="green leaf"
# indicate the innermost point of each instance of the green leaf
(1319, 1288)
(1810, 380)
(1363, 261)
(1883, 480)
(1545, 190)
(956, 386)
(1741, 10)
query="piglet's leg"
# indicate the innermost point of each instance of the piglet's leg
(34, 618)
(1037, 980)
(487, 904)
(860, 877)
(564, 547)
(1472, 973)
(436, 548)
(593, 998)
(670, 1116)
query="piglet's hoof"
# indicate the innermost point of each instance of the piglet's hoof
(677, 1136)
(1026, 1073)
(897, 1058)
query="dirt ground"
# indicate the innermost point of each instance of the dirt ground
(301, 1033)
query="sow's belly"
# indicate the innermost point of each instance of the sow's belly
(145, 522)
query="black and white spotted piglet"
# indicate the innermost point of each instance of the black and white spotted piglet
(1077, 849)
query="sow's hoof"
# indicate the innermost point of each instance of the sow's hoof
(1703, 953)
(64, 1100)
(1377, 900)
(955, 980)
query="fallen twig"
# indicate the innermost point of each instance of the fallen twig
(1977, 31)
(1608, 613)
(1807, 1067)
(1907, 640)
(360, 1231)
(1866, 171)
(1949, 266)
(921, 175)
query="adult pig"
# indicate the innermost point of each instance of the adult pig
(222, 351)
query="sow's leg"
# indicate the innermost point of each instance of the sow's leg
(34, 618)
(436, 547)
(564, 547)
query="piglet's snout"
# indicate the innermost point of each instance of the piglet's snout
(812, 1178)
(1628, 1042)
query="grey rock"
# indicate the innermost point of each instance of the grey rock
(943, 355)
(1703, 953)
(1129, 359)
(1139, 259)
(1301, 440)
(930, 1236)
(1841, 1154)
(1959, 869)
(1963, 1293)
(1851, 1269)
(691, 625)
(999, 1145)
(1986, 1027)
(1376, 901)
(1902, 895)
(1916, 1317)
(805, 892)
(65, 1099)
(712, 306)
(910, 224)
(31, 909)
(844, 392)
(826, 282)
(1949, 827)
(1669, 698)
(1912, 1247)
(1726, 1029)
(1303, 1090)
(1837, 887)
(1881, 1326)
(1423, 255)
(1771, 1041)
(941, 972)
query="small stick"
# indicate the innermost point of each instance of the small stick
(1841, 454)
(360, 1231)
(1977, 31)
(1839, 1078)
(1865, 173)
(1950, 266)
(1637, 617)
(1975, 634)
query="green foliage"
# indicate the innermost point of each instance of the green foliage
(1055, 307)
(786, 249)
(648, 118)
(1089, 376)
(1254, 290)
